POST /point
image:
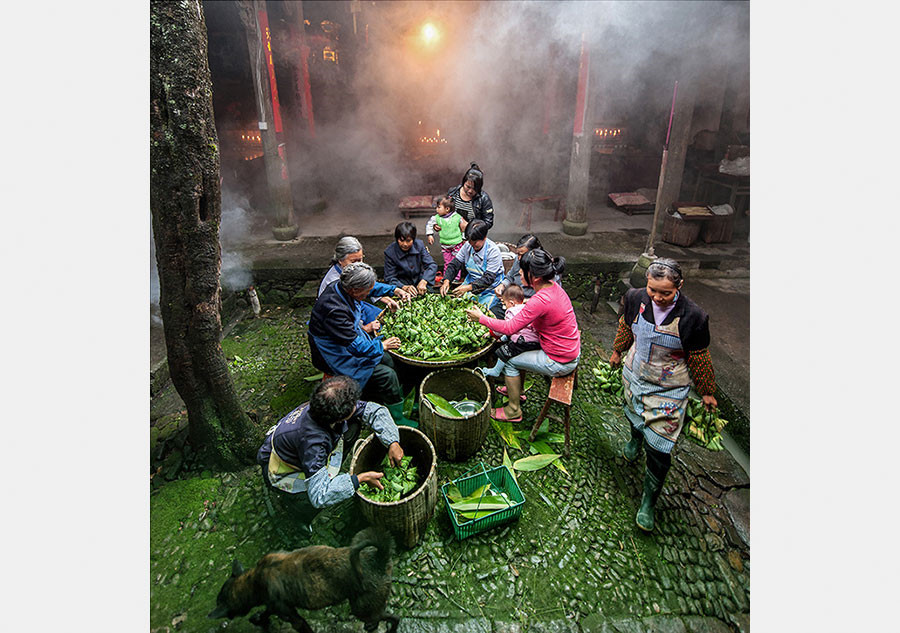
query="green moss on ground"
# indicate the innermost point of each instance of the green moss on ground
(574, 551)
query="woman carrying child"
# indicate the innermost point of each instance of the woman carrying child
(483, 263)
(525, 340)
(550, 312)
(450, 226)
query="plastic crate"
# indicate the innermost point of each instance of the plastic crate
(502, 480)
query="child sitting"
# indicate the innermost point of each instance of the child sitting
(525, 340)
(450, 226)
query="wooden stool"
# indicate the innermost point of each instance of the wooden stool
(561, 388)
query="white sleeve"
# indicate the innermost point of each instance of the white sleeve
(429, 226)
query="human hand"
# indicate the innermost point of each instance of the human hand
(710, 402)
(615, 359)
(422, 288)
(390, 303)
(437, 227)
(391, 343)
(461, 290)
(474, 313)
(431, 239)
(410, 290)
(498, 289)
(401, 294)
(463, 223)
(371, 478)
(395, 453)
(371, 328)
(445, 287)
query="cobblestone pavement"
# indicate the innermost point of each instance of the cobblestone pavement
(574, 561)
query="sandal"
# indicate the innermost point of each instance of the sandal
(502, 391)
(500, 414)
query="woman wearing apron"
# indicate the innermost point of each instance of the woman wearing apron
(484, 267)
(666, 336)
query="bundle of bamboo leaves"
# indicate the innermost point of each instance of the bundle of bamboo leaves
(435, 328)
(398, 481)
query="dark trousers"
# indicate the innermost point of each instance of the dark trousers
(383, 386)
(296, 504)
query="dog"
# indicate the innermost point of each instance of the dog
(312, 578)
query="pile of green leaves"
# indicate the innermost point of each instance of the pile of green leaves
(610, 380)
(542, 454)
(481, 503)
(704, 427)
(432, 327)
(398, 481)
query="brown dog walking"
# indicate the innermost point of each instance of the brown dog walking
(312, 578)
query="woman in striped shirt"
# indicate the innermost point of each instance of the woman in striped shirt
(471, 202)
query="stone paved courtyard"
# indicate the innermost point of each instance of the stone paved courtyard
(574, 561)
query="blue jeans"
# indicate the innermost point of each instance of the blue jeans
(538, 362)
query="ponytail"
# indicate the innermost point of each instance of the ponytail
(539, 265)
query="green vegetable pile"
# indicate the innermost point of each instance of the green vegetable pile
(434, 328)
(610, 379)
(397, 481)
(704, 427)
(481, 503)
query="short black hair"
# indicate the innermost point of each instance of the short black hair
(477, 230)
(529, 241)
(404, 230)
(474, 174)
(334, 400)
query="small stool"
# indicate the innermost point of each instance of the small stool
(561, 388)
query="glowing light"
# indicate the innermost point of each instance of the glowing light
(430, 34)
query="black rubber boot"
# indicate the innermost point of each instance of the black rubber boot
(633, 447)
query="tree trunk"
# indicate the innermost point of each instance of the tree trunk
(186, 207)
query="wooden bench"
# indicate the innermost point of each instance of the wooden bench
(528, 203)
(561, 388)
(418, 205)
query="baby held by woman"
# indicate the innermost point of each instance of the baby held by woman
(525, 340)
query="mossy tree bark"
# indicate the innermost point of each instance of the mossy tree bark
(186, 207)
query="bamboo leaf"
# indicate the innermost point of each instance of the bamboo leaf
(545, 449)
(314, 377)
(505, 431)
(443, 407)
(469, 516)
(495, 503)
(453, 493)
(535, 462)
(408, 403)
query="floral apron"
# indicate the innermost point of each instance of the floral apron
(656, 381)
(486, 297)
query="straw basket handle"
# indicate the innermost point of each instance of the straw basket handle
(356, 446)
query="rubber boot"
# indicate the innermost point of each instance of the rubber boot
(633, 447)
(396, 411)
(652, 488)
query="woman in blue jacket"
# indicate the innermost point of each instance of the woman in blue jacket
(407, 263)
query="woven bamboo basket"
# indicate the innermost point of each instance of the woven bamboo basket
(455, 439)
(407, 518)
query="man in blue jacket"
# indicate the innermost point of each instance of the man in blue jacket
(301, 456)
(350, 346)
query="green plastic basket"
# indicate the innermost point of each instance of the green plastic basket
(501, 479)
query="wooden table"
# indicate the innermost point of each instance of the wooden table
(737, 186)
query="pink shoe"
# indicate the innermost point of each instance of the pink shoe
(502, 391)
(500, 414)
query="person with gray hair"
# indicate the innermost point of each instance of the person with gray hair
(666, 337)
(349, 344)
(301, 456)
(349, 250)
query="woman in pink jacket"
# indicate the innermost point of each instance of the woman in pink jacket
(551, 314)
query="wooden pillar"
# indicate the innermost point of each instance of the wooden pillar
(680, 138)
(262, 70)
(580, 162)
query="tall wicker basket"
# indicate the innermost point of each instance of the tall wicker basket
(408, 517)
(455, 438)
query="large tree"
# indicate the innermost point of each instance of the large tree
(186, 207)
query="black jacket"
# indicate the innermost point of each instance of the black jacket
(481, 205)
